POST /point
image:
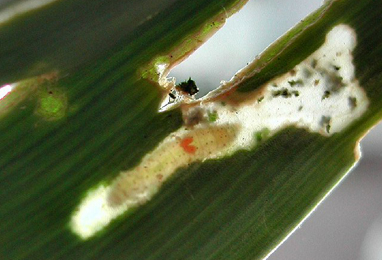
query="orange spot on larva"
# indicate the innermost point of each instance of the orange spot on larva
(186, 145)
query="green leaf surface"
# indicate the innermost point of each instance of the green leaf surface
(68, 35)
(95, 114)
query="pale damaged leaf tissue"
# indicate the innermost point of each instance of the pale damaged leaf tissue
(321, 94)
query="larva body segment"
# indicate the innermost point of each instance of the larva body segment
(139, 184)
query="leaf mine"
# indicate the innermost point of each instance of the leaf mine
(321, 94)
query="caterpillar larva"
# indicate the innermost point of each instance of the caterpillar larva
(177, 151)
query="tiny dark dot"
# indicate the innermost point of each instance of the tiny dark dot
(328, 128)
(352, 102)
(314, 63)
(297, 82)
(326, 94)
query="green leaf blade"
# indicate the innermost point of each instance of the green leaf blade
(239, 207)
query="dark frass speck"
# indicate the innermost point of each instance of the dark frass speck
(352, 102)
(172, 95)
(326, 95)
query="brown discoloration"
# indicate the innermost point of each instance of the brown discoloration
(192, 115)
(48, 77)
(238, 99)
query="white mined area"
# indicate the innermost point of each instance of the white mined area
(135, 187)
(95, 213)
(321, 94)
(5, 90)
(21, 7)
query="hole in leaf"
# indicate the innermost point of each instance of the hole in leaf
(245, 35)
